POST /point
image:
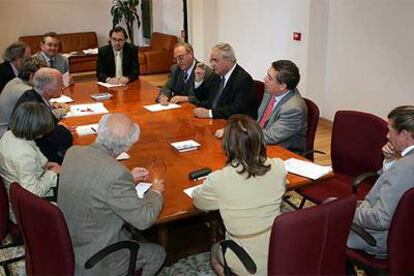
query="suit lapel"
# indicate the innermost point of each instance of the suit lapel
(279, 105)
(229, 84)
(111, 61)
(125, 59)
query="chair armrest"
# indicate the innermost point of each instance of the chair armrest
(243, 256)
(132, 246)
(308, 152)
(360, 178)
(363, 234)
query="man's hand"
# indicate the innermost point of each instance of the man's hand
(158, 185)
(113, 81)
(219, 133)
(139, 174)
(163, 100)
(64, 106)
(199, 72)
(123, 80)
(53, 167)
(179, 99)
(70, 128)
(201, 112)
(389, 152)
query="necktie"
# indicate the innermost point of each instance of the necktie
(185, 77)
(118, 64)
(51, 63)
(220, 92)
(268, 112)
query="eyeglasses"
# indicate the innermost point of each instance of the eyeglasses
(117, 39)
(179, 58)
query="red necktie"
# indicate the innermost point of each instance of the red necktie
(268, 112)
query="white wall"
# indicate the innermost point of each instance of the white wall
(167, 16)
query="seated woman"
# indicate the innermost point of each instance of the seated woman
(20, 158)
(247, 191)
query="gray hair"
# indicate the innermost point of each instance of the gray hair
(226, 50)
(15, 51)
(185, 45)
(117, 133)
(29, 66)
(44, 79)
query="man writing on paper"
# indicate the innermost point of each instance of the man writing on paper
(117, 62)
(180, 84)
(376, 211)
(97, 196)
(283, 112)
(232, 93)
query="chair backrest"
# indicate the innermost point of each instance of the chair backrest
(163, 42)
(48, 246)
(357, 140)
(4, 211)
(401, 237)
(313, 119)
(311, 241)
(259, 87)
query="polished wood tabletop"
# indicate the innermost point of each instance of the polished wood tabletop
(158, 130)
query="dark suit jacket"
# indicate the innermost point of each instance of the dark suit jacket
(54, 144)
(105, 65)
(6, 74)
(238, 97)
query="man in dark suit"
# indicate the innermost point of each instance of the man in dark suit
(117, 62)
(232, 93)
(47, 84)
(180, 84)
(12, 56)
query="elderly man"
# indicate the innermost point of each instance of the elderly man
(232, 93)
(376, 211)
(48, 84)
(180, 84)
(15, 88)
(12, 64)
(117, 62)
(97, 196)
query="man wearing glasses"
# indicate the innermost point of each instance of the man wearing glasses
(180, 84)
(117, 62)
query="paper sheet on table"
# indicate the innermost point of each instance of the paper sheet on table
(108, 85)
(87, 129)
(160, 107)
(123, 156)
(185, 145)
(66, 78)
(189, 191)
(61, 99)
(141, 188)
(86, 109)
(91, 51)
(306, 168)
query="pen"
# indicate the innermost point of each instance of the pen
(93, 129)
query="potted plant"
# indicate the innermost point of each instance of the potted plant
(125, 10)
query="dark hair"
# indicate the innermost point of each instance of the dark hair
(403, 118)
(50, 34)
(288, 73)
(14, 51)
(243, 144)
(30, 120)
(118, 29)
(29, 66)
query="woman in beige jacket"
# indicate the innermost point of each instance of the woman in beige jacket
(247, 191)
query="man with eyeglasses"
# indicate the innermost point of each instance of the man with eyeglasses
(180, 84)
(232, 93)
(118, 61)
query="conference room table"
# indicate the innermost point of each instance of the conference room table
(153, 150)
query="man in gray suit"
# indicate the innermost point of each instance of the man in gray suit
(283, 112)
(375, 212)
(180, 84)
(97, 196)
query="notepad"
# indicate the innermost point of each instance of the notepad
(189, 191)
(86, 109)
(108, 85)
(87, 129)
(141, 188)
(160, 107)
(306, 168)
(185, 145)
(61, 99)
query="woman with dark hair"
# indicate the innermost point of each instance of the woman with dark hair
(247, 191)
(20, 158)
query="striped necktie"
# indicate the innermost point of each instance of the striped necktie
(220, 92)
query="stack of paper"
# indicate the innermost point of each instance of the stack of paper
(87, 129)
(91, 51)
(108, 85)
(61, 99)
(189, 191)
(160, 107)
(86, 109)
(186, 145)
(306, 168)
(141, 188)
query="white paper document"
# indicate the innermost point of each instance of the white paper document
(86, 109)
(306, 168)
(123, 156)
(141, 188)
(87, 129)
(189, 191)
(90, 51)
(61, 99)
(108, 85)
(160, 107)
(185, 145)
